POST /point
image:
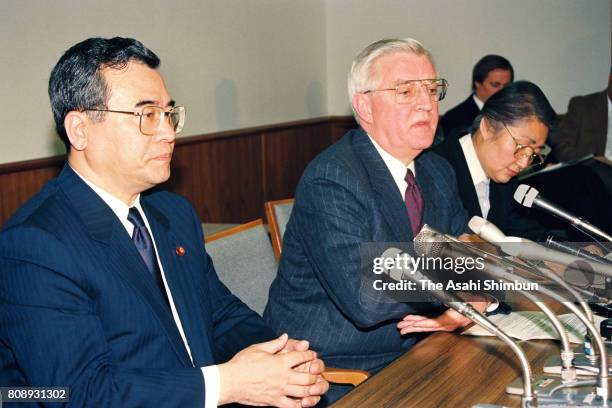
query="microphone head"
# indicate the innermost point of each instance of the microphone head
(487, 230)
(429, 241)
(525, 195)
(476, 223)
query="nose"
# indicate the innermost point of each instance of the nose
(423, 98)
(523, 162)
(166, 130)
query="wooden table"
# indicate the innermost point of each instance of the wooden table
(450, 370)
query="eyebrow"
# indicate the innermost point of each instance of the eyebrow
(532, 142)
(150, 102)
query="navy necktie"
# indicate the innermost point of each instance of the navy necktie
(413, 199)
(144, 245)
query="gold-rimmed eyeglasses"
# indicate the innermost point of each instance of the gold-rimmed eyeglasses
(524, 151)
(152, 117)
(407, 91)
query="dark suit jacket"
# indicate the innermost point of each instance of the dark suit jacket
(347, 197)
(457, 121)
(505, 213)
(584, 128)
(78, 307)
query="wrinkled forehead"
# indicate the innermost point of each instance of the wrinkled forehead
(400, 66)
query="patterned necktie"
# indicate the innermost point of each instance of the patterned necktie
(414, 203)
(144, 245)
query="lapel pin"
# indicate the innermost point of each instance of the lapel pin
(180, 251)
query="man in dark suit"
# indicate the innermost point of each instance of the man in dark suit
(105, 285)
(489, 75)
(364, 189)
(585, 129)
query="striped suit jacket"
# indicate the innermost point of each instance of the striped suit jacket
(79, 309)
(347, 197)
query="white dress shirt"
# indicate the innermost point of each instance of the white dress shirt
(479, 177)
(398, 172)
(396, 167)
(121, 210)
(478, 102)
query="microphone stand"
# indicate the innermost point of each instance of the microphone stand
(602, 384)
(528, 398)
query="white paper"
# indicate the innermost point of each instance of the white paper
(526, 325)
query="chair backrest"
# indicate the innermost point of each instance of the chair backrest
(278, 213)
(244, 261)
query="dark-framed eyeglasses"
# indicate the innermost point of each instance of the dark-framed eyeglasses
(152, 117)
(523, 151)
(407, 92)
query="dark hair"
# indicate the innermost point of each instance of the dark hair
(487, 64)
(517, 101)
(77, 82)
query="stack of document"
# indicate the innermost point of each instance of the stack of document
(534, 325)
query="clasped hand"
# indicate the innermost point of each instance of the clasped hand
(281, 372)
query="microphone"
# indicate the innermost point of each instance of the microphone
(423, 242)
(399, 274)
(468, 311)
(519, 247)
(524, 248)
(552, 243)
(528, 196)
(486, 230)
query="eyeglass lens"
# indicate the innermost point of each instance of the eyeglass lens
(529, 153)
(408, 91)
(152, 118)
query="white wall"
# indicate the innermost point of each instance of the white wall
(242, 63)
(561, 45)
(232, 63)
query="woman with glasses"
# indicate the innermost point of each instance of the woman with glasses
(507, 137)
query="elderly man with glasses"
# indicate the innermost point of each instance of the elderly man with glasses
(105, 285)
(376, 184)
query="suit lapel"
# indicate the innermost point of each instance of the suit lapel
(187, 304)
(102, 225)
(388, 196)
(453, 152)
(467, 189)
(498, 205)
(426, 181)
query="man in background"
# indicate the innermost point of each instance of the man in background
(586, 128)
(490, 74)
(105, 285)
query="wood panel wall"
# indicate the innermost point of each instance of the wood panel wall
(227, 176)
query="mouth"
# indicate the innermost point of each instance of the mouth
(421, 123)
(166, 157)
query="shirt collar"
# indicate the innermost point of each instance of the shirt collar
(476, 171)
(478, 102)
(120, 209)
(396, 167)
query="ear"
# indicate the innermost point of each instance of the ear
(363, 107)
(486, 130)
(75, 124)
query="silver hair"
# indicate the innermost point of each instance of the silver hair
(359, 78)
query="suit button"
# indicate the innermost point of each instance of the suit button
(180, 251)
